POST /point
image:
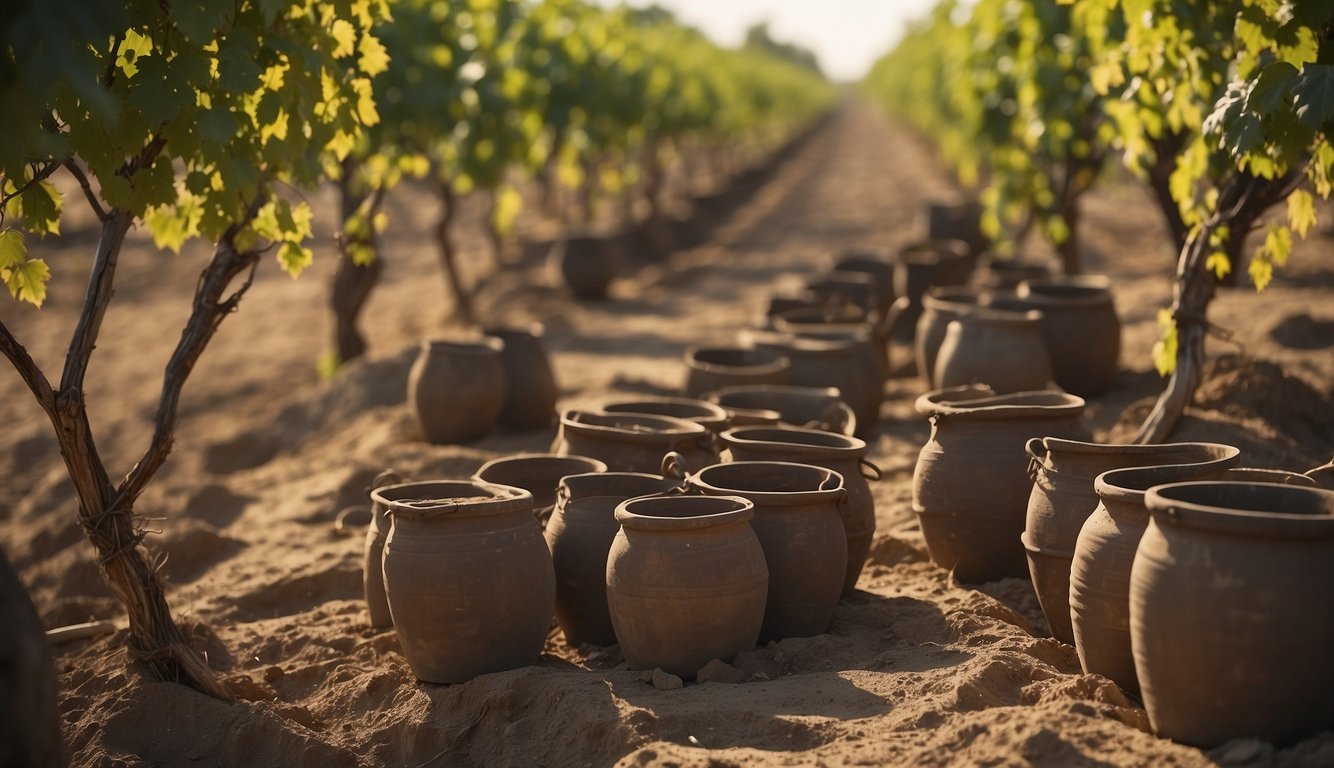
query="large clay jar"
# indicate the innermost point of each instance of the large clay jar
(819, 408)
(797, 522)
(372, 555)
(468, 577)
(923, 265)
(587, 265)
(837, 324)
(579, 536)
(708, 415)
(940, 305)
(957, 220)
(845, 363)
(880, 269)
(1003, 350)
(632, 442)
(530, 397)
(1063, 497)
(686, 581)
(840, 453)
(538, 473)
(971, 484)
(1006, 274)
(709, 368)
(1230, 616)
(1081, 329)
(456, 389)
(1104, 553)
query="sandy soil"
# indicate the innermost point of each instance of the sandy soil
(916, 670)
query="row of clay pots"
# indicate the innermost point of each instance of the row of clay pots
(1063, 328)
(458, 390)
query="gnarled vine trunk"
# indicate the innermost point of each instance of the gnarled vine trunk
(463, 308)
(353, 282)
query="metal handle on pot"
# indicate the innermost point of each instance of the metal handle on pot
(870, 471)
(674, 466)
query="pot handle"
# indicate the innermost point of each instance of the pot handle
(870, 471)
(386, 477)
(1035, 459)
(833, 476)
(1323, 475)
(674, 466)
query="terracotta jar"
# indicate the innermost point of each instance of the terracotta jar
(1003, 350)
(923, 265)
(537, 473)
(957, 220)
(1006, 274)
(833, 324)
(686, 581)
(1081, 329)
(840, 453)
(715, 367)
(1230, 618)
(1063, 497)
(579, 536)
(530, 397)
(1104, 553)
(457, 388)
(819, 408)
(971, 484)
(797, 522)
(878, 267)
(372, 555)
(940, 305)
(469, 579)
(708, 415)
(587, 265)
(855, 288)
(632, 442)
(845, 363)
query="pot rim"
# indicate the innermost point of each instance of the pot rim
(773, 498)
(1060, 445)
(666, 427)
(785, 343)
(1167, 506)
(1073, 292)
(951, 298)
(503, 499)
(741, 511)
(710, 413)
(1113, 484)
(485, 345)
(1029, 318)
(576, 489)
(981, 402)
(553, 458)
(778, 364)
(934, 250)
(831, 442)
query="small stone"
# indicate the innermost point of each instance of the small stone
(665, 681)
(273, 674)
(718, 671)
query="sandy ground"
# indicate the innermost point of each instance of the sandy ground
(916, 670)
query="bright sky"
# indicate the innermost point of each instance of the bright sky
(847, 35)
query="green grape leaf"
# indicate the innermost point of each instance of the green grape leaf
(1165, 349)
(133, 46)
(1270, 89)
(374, 58)
(13, 249)
(346, 36)
(1219, 264)
(195, 19)
(41, 209)
(294, 258)
(1313, 94)
(1301, 212)
(26, 278)
(218, 125)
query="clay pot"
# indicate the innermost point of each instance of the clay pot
(803, 300)
(1229, 612)
(838, 325)
(579, 536)
(797, 522)
(710, 368)
(468, 577)
(840, 453)
(1063, 497)
(1081, 329)
(819, 408)
(857, 289)
(880, 269)
(538, 473)
(1104, 553)
(957, 220)
(587, 265)
(940, 305)
(1003, 350)
(708, 415)
(456, 389)
(845, 363)
(530, 397)
(632, 442)
(372, 555)
(686, 581)
(923, 265)
(971, 484)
